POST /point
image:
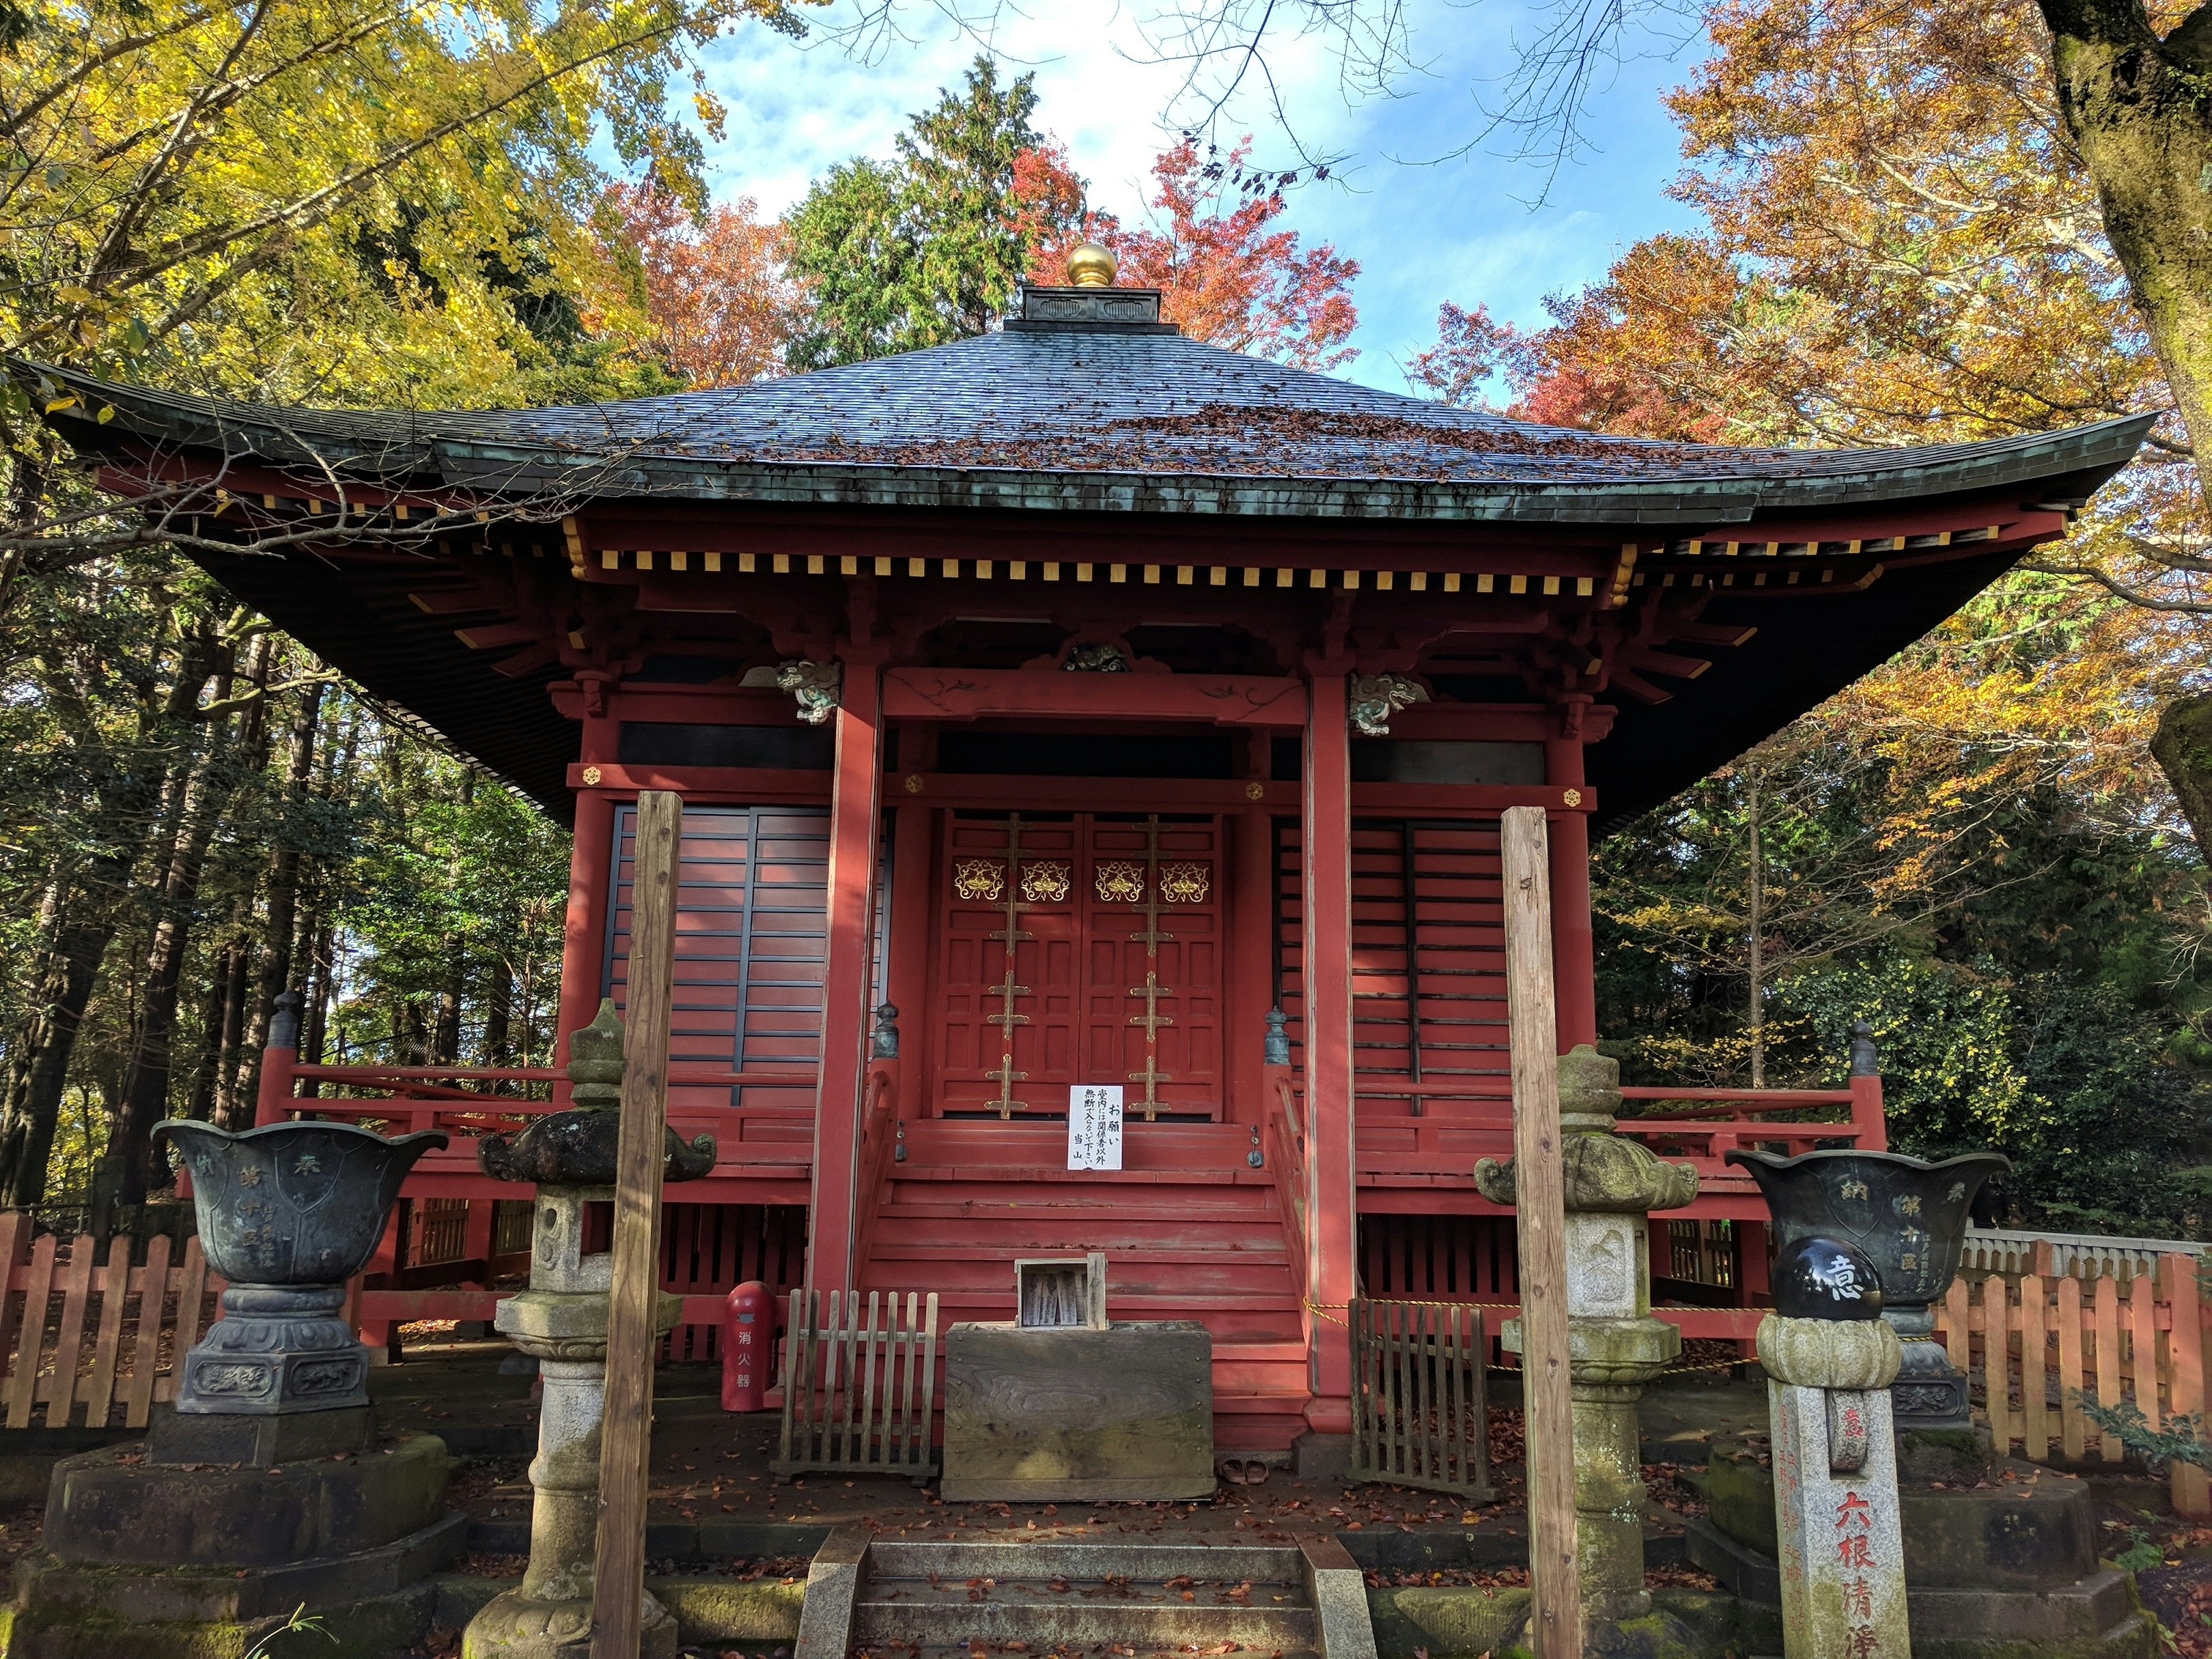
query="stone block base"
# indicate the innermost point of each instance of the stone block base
(710, 1610)
(174, 1437)
(512, 1626)
(1468, 1622)
(2094, 1617)
(2021, 1534)
(1068, 1414)
(103, 1510)
(368, 1606)
(49, 1590)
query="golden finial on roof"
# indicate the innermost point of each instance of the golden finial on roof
(1089, 265)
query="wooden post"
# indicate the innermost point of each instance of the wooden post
(1332, 1226)
(1540, 1221)
(626, 1437)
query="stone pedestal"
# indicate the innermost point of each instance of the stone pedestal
(146, 1559)
(1838, 1529)
(1994, 1572)
(1614, 1345)
(1075, 1414)
(1929, 1394)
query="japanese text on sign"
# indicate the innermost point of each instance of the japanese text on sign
(1094, 1126)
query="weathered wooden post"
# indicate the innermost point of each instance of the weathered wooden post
(561, 1322)
(1555, 1618)
(626, 1436)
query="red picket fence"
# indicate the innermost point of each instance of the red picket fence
(2033, 1349)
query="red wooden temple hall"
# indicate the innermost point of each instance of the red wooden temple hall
(1120, 710)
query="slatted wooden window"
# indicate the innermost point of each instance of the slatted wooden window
(750, 927)
(1428, 958)
(1439, 1258)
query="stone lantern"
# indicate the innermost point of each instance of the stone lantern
(561, 1322)
(1614, 1344)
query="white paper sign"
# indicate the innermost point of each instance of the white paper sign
(1094, 1126)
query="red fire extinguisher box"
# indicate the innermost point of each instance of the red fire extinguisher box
(748, 1347)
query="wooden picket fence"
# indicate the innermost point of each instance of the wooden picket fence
(859, 1389)
(77, 1332)
(2035, 1347)
(1419, 1412)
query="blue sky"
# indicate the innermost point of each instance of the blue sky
(1460, 230)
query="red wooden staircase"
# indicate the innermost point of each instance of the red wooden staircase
(1190, 1231)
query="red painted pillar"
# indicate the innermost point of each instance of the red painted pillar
(855, 804)
(583, 946)
(906, 974)
(1574, 948)
(1332, 1186)
(1251, 964)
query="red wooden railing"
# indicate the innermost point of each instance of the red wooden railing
(765, 1151)
(763, 1155)
(1460, 1122)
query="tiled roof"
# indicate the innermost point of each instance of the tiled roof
(1054, 416)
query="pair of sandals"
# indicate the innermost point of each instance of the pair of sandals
(1242, 1471)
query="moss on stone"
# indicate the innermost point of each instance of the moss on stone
(1466, 1621)
(366, 1630)
(712, 1609)
(1450, 1621)
(1739, 1499)
(2138, 1639)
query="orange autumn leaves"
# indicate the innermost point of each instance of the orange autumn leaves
(1228, 270)
(723, 304)
(1899, 246)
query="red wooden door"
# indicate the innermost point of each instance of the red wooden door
(1116, 975)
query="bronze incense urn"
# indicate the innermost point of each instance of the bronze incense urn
(1909, 1217)
(288, 1213)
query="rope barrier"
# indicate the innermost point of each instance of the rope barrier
(1323, 1308)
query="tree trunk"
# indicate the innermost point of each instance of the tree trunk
(1756, 909)
(128, 809)
(39, 1070)
(146, 1085)
(2136, 109)
(237, 961)
(2182, 746)
(276, 946)
(499, 1012)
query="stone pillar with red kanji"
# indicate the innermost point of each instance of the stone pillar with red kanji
(1835, 1471)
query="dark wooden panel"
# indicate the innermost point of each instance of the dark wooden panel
(751, 903)
(1428, 960)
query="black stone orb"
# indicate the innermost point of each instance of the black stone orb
(1817, 1278)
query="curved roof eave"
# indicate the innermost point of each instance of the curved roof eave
(404, 452)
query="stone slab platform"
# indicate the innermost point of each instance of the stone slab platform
(1073, 1414)
(116, 1508)
(2096, 1615)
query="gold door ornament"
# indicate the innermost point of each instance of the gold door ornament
(1185, 883)
(980, 879)
(1045, 882)
(1120, 881)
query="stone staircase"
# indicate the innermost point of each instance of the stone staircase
(1062, 1595)
(1191, 1232)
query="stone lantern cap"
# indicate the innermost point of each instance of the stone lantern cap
(1605, 1172)
(576, 1148)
